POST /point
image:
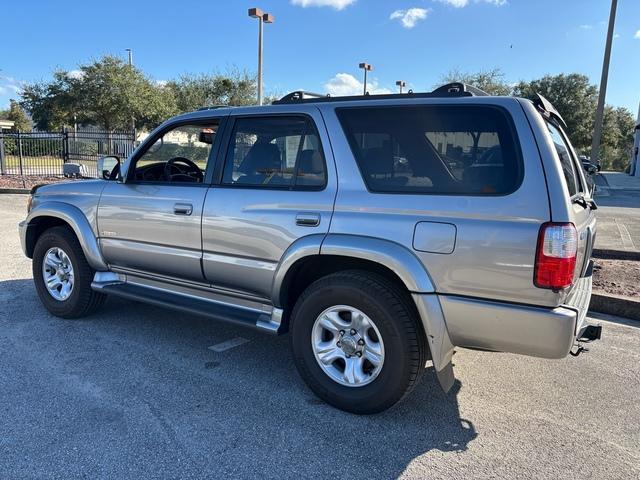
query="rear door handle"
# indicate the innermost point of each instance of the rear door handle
(183, 209)
(308, 219)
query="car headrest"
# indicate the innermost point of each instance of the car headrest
(310, 162)
(261, 156)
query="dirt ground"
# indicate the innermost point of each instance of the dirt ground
(619, 277)
(17, 181)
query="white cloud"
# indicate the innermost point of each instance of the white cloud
(410, 17)
(637, 35)
(464, 3)
(337, 4)
(586, 27)
(75, 74)
(346, 84)
(10, 85)
(161, 83)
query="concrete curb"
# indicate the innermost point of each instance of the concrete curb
(14, 190)
(615, 305)
(616, 254)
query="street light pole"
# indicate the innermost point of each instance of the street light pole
(130, 56)
(597, 128)
(401, 84)
(367, 68)
(262, 18)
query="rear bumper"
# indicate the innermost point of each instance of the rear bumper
(527, 330)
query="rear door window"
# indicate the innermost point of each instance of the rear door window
(566, 161)
(275, 152)
(437, 149)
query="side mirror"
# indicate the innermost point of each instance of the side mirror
(109, 167)
(592, 170)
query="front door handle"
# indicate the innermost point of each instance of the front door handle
(183, 209)
(308, 219)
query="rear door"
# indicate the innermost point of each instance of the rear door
(276, 184)
(582, 214)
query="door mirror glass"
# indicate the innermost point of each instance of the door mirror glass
(109, 168)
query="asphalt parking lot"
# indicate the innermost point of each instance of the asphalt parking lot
(136, 392)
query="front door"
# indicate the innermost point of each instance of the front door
(275, 187)
(150, 222)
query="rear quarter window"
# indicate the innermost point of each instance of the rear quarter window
(457, 150)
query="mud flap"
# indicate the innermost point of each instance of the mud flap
(446, 377)
(437, 334)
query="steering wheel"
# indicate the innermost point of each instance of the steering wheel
(190, 174)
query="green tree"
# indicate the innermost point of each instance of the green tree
(491, 81)
(196, 91)
(18, 116)
(617, 138)
(108, 93)
(574, 98)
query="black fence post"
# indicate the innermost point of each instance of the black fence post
(20, 152)
(65, 145)
(3, 164)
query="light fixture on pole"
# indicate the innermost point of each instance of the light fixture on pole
(401, 84)
(262, 18)
(130, 56)
(367, 68)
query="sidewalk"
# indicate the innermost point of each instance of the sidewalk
(618, 199)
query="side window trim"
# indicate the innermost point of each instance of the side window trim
(225, 146)
(212, 159)
(576, 168)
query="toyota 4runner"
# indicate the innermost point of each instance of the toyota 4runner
(379, 231)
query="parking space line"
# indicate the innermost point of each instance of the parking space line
(228, 344)
(627, 241)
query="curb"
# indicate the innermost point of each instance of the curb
(609, 254)
(14, 190)
(615, 305)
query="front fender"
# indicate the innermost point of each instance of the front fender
(74, 217)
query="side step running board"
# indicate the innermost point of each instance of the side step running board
(190, 304)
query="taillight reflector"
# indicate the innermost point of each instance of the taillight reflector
(556, 255)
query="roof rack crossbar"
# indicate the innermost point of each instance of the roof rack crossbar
(455, 89)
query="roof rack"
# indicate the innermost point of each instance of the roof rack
(455, 89)
(212, 107)
(547, 109)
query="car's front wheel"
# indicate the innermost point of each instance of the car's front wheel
(357, 341)
(63, 276)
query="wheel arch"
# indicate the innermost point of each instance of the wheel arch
(51, 214)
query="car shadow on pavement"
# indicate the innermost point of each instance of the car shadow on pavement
(134, 374)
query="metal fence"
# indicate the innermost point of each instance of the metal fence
(45, 153)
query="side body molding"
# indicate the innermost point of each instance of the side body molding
(78, 222)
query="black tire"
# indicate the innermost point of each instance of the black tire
(82, 300)
(395, 316)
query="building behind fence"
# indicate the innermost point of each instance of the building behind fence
(45, 153)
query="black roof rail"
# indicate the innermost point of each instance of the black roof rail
(547, 109)
(212, 107)
(299, 95)
(448, 90)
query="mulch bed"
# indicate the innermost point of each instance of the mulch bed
(28, 181)
(618, 277)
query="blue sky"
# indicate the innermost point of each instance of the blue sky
(317, 44)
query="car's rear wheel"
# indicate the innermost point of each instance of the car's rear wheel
(357, 341)
(63, 276)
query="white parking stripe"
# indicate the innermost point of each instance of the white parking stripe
(627, 241)
(234, 342)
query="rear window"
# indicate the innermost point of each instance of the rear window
(567, 163)
(458, 150)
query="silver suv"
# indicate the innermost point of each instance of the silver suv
(380, 231)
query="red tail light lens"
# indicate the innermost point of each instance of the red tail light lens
(556, 255)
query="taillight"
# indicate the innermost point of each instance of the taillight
(556, 255)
